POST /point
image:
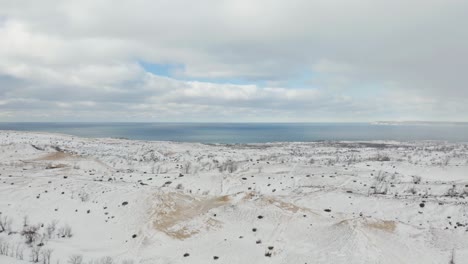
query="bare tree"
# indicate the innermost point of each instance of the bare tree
(380, 185)
(75, 259)
(50, 229)
(187, 167)
(106, 260)
(452, 192)
(84, 196)
(25, 220)
(229, 166)
(35, 254)
(452, 257)
(4, 247)
(412, 190)
(30, 233)
(5, 224)
(19, 251)
(46, 254)
(446, 161)
(416, 179)
(65, 231)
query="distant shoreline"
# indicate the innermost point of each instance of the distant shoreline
(420, 123)
(413, 122)
(376, 141)
(242, 133)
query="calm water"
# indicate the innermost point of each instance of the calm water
(251, 132)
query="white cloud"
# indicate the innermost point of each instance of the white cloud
(358, 60)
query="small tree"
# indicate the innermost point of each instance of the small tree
(41, 238)
(35, 254)
(65, 231)
(416, 179)
(229, 166)
(452, 192)
(187, 167)
(50, 229)
(30, 233)
(46, 254)
(84, 196)
(452, 257)
(75, 259)
(5, 224)
(19, 251)
(4, 247)
(106, 260)
(25, 220)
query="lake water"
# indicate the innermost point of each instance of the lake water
(251, 132)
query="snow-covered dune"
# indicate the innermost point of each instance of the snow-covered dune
(64, 199)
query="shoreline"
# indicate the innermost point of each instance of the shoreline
(383, 141)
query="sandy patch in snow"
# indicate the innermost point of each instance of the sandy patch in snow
(173, 211)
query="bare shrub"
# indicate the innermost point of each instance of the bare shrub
(452, 257)
(331, 162)
(452, 191)
(65, 231)
(380, 186)
(162, 170)
(465, 191)
(5, 224)
(46, 254)
(25, 220)
(30, 233)
(446, 161)
(41, 237)
(187, 167)
(229, 166)
(380, 177)
(352, 159)
(412, 190)
(381, 157)
(416, 179)
(75, 259)
(19, 251)
(84, 196)
(106, 260)
(4, 247)
(35, 254)
(50, 229)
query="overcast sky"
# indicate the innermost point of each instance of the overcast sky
(233, 60)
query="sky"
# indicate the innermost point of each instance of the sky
(233, 60)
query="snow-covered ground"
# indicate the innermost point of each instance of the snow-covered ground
(121, 201)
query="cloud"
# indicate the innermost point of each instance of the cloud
(297, 60)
